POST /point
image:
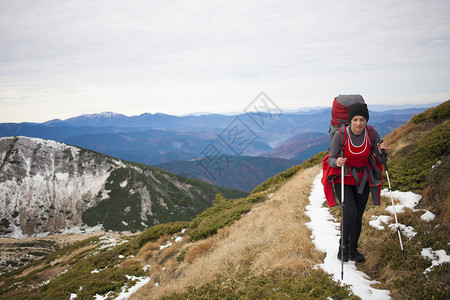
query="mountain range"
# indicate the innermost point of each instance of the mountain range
(161, 139)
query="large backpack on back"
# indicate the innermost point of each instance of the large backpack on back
(339, 111)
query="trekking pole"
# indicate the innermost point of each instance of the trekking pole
(384, 155)
(342, 219)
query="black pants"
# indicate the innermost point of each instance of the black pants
(354, 206)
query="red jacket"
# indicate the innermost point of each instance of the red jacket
(362, 165)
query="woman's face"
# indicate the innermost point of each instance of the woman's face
(358, 124)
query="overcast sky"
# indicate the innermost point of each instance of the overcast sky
(60, 59)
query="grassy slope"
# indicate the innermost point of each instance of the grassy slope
(267, 254)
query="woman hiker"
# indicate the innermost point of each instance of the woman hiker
(361, 147)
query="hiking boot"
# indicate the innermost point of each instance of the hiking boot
(354, 254)
(339, 256)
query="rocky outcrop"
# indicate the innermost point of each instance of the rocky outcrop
(45, 186)
(48, 187)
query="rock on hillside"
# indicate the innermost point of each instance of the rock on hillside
(48, 187)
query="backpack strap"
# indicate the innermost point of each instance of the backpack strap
(371, 137)
(374, 147)
(342, 137)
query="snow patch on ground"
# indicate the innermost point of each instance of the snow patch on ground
(127, 292)
(108, 242)
(175, 238)
(378, 221)
(165, 246)
(437, 257)
(406, 230)
(406, 200)
(123, 183)
(428, 216)
(325, 236)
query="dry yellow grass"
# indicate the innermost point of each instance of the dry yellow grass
(406, 135)
(199, 249)
(272, 236)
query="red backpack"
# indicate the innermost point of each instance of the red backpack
(339, 111)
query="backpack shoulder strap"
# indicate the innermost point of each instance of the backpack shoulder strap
(342, 136)
(371, 137)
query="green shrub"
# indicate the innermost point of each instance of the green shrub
(216, 217)
(155, 232)
(438, 113)
(441, 111)
(419, 118)
(86, 285)
(410, 168)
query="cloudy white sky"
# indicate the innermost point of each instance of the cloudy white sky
(59, 59)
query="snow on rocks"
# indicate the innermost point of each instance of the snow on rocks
(325, 236)
(43, 183)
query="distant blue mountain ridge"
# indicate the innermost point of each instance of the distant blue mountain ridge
(157, 138)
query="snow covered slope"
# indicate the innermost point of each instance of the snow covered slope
(48, 187)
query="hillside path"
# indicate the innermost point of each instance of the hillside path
(325, 236)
